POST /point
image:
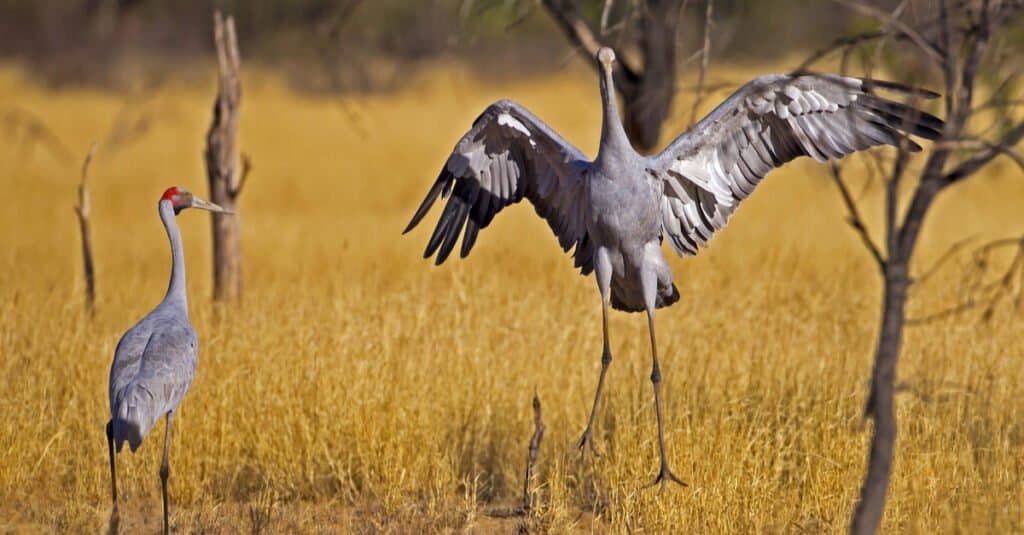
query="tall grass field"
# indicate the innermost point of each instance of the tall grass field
(360, 389)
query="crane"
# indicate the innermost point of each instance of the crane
(155, 361)
(615, 211)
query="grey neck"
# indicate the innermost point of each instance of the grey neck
(176, 294)
(613, 136)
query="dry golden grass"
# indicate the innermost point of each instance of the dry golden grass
(361, 389)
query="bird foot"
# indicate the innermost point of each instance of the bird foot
(114, 525)
(664, 477)
(587, 443)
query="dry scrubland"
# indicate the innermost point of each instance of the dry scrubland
(361, 389)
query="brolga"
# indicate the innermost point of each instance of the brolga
(616, 210)
(155, 361)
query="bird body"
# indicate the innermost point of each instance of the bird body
(155, 361)
(615, 211)
(622, 222)
(153, 367)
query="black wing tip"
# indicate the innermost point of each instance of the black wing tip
(869, 84)
(444, 178)
(469, 238)
(905, 117)
(896, 87)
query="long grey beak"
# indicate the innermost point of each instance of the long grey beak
(207, 205)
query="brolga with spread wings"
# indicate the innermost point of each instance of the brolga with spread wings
(155, 361)
(616, 210)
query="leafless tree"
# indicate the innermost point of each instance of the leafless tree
(963, 44)
(28, 129)
(647, 85)
(225, 178)
(83, 210)
(1007, 286)
(529, 483)
(530, 503)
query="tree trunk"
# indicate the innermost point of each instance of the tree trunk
(646, 91)
(87, 265)
(867, 516)
(222, 164)
(83, 210)
(646, 108)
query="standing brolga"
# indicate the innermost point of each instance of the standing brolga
(617, 209)
(155, 361)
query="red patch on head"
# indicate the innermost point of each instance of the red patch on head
(169, 194)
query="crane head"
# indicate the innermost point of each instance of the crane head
(181, 199)
(606, 57)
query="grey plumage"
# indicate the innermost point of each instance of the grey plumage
(153, 367)
(155, 361)
(705, 173)
(616, 210)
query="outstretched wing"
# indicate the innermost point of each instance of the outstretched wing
(707, 171)
(509, 154)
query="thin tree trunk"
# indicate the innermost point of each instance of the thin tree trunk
(867, 516)
(83, 210)
(647, 91)
(222, 164)
(529, 490)
(646, 109)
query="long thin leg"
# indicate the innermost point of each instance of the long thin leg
(165, 468)
(606, 360)
(113, 527)
(113, 473)
(603, 274)
(664, 474)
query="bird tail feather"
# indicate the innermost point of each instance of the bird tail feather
(623, 303)
(133, 417)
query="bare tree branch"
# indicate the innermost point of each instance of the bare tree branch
(982, 158)
(849, 42)
(705, 55)
(892, 225)
(854, 218)
(950, 54)
(976, 144)
(243, 175)
(606, 11)
(15, 118)
(83, 209)
(529, 491)
(950, 253)
(989, 294)
(843, 43)
(887, 19)
(943, 314)
(567, 14)
(530, 498)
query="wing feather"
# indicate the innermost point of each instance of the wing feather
(707, 171)
(507, 155)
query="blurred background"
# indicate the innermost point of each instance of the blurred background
(366, 45)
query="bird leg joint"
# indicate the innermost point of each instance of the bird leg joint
(606, 357)
(656, 376)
